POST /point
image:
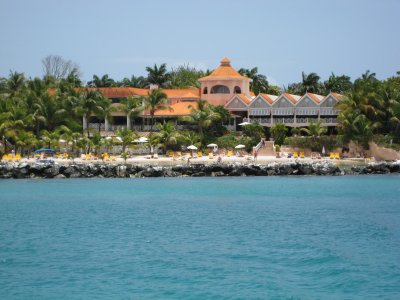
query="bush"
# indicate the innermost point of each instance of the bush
(330, 142)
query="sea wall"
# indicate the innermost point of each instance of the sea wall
(25, 170)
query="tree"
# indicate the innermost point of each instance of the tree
(168, 135)
(90, 102)
(15, 83)
(156, 100)
(126, 137)
(132, 107)
(104, 81)
(158, 75)
(56, 67)
(254, 131)
(315, 130)
(185, 77)
(337, 84)
(278, 131)
(259, 84)
(203, 116)
(137, 82)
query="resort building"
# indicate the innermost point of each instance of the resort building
(226, 86)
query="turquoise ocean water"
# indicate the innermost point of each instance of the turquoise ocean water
(201, 238)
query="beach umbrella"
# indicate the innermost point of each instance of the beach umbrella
(142, 139)
(240, 146)
(212, 145)
(192, 147)
(45, 150)
(61, 141)
(244, 123)
(323, 150)
(108, 138)
(119, 139)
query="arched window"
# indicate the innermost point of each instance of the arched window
(205, 90)
(219, 89)
(237, 90)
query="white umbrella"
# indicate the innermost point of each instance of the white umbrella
(61, 141)
(244, 123)
(240, 146)
(192, 147)
(141, 140)
(212, 145)
(119, 139)
(108, 138)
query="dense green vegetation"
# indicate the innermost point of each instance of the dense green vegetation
(42, 111)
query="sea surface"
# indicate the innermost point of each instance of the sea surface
(201, 238)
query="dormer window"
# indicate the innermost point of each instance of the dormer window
(237, 90)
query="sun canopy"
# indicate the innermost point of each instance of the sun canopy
(212, 145)
(45, 150)
(240, 146)
(244, 124)
(192, 147)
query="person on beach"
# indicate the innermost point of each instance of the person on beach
(255, 154)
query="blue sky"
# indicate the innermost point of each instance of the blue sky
(282, 38)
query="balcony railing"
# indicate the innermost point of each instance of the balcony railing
(290, 121)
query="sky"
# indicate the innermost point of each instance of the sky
(281, 38)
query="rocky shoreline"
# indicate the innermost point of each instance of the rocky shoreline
(25, 170)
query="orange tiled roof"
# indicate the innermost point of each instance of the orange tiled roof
(191, 93)
(315, 97)
(292, 98)
(337, 96)
(269, 98)
(244, 98)
(178, 109)
(122, 92)
(224, 71)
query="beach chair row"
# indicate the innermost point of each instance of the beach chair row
(10, 157)
(334, 155)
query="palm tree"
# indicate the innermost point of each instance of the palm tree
(156, 100)
(337, 84)
(315, 130)
(126, 137)
(278, 131)
(158, 75)
(168, 134)
(132, 107)
(90, 102)
(259, 84)
(103, 81)
(310, 82)
(189, 137)
(15, 83)
(51, 138)
(135, 81)
(203, 116)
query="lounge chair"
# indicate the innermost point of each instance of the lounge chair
(230, 153)
(17, 157)
(295, 154)
(337, 155)
(331, 155)
(301, 154)
(179, 153)
(199, 153)
(210, 155)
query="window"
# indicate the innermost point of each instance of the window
(205, 90)
(237, 90)
(219, 89)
